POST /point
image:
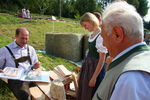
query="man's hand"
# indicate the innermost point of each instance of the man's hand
(1, 70)
(36, 65)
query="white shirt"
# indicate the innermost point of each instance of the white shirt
(99, 43)
(7, 60)
(133, 85)
(28, 13)
(24, 15)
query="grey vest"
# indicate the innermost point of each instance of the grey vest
(138, 59)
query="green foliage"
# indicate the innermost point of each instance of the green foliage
(140, 5)
(143, 7)
(10, 5)
(86, 6)
(42, 5)
(77, 16)
(134, 2)
(69, 9)
(147, 25)
(52, 8)
(65, 8)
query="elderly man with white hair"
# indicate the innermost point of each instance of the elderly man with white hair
(128, 76)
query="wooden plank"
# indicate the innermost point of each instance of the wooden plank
(37, 94)
(45, 88)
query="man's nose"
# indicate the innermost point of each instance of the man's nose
(86, 28)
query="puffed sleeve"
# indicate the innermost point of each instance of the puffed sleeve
(99, 45)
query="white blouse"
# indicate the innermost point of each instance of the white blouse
(99, 43)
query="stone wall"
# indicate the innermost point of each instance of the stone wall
(68, 46)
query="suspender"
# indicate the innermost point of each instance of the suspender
(17, 64)
(10, 52)
(29, 59)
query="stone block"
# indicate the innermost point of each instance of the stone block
(68, 46)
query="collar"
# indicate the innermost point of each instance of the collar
(99, 33)
(126, 53)
(15, 45)
(128, 49)
(91, 40)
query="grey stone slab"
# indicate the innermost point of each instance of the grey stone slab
(68, 46)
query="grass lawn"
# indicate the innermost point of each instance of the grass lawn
(38, 29)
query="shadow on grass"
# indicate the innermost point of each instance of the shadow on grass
(5, 93)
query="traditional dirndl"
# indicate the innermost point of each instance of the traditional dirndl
(88, 68)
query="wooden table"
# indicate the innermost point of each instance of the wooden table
(47, 89)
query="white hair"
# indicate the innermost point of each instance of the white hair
(125, 16)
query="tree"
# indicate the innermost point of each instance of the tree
(143, 7)
(42, 5)
(86, 6)
(140, 5)
(69, 9)
(10, 5)
(82, 6)
(50, 10)
(56, 6)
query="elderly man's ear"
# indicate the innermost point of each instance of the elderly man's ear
(118, 34)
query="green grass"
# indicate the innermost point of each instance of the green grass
(6, 19)
(49, 62)
(38, 29)
(49, 16)
(5, 93)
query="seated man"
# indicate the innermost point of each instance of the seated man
(20, 55)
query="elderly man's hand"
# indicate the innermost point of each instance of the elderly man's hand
(36, 65)
(1, 70)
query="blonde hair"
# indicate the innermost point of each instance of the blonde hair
(89, 17)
